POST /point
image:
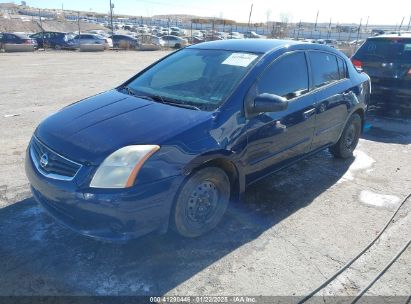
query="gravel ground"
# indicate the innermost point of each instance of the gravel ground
(293, 230)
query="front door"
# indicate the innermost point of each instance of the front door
(274, 139)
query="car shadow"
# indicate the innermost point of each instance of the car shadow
(39, 257)
(387, 129)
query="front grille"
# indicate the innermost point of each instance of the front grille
(53, 164)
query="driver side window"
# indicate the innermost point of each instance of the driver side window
(286, 77)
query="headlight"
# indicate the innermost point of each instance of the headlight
(120, 169)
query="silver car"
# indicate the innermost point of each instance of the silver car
(173, 41)
(92, 39)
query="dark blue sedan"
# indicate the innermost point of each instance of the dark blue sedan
(175, 143)
(55, 40)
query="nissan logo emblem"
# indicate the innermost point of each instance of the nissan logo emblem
(44, 160)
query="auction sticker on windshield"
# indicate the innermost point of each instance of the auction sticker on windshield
(240, 59)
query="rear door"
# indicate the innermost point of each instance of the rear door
(331, 88)
(275, 139)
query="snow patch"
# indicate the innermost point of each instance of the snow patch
(379, 200)
(362, 162)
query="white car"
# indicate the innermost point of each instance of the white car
(173, 41)
(235, 35)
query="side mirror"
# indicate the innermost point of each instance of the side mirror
(269, 103)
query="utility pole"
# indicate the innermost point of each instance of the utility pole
(402, 21)
(42, 30)
(79, 32)
(78, 24)
(111, 17)
(268, 14)
(329, 29)
(409, 23)
(339, 31)
(315, 25)
(358, 36)
(366, 25)
(249, 17)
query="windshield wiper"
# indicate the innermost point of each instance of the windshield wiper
(169, 101)
(161, 99)
(182, 105)
(129, 90)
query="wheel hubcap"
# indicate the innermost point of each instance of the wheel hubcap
(202, 202)
(350, 137)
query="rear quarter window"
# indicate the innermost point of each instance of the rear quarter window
(342, 68)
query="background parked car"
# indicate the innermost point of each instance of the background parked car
(235, 35)
(15, 38)
(149, 39)
(387, 60)
(56, 40)
(173, 41)
(124, 42)
(252, 34)
(92, 39)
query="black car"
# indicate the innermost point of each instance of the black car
(15, 38)
(124, 42)
(55, 40)
(387, 60)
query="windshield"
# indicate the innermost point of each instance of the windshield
(386, 49)
(203, 78)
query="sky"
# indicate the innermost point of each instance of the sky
(346, 11)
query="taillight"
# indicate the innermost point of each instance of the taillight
(357, 63)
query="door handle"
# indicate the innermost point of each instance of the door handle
(307, 114)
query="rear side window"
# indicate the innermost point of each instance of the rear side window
(286, 77)
(383, 49)
(324, 67)
(342, 68)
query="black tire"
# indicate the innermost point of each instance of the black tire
(201, 202)
(178, 46)
(348, 141)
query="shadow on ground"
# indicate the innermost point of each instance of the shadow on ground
(38, 257)
(386, 129)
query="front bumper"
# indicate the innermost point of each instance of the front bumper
(107, 214)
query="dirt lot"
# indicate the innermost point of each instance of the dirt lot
(292, 231)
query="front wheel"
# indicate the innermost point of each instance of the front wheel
(348, 141)
(201, 202)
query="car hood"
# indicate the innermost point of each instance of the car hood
(90, 130)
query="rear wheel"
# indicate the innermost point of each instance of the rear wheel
(57, 47)
(201, 202)
(348, 141)
(178, 46)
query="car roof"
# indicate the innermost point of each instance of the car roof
(398, 35)
(254, 45)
